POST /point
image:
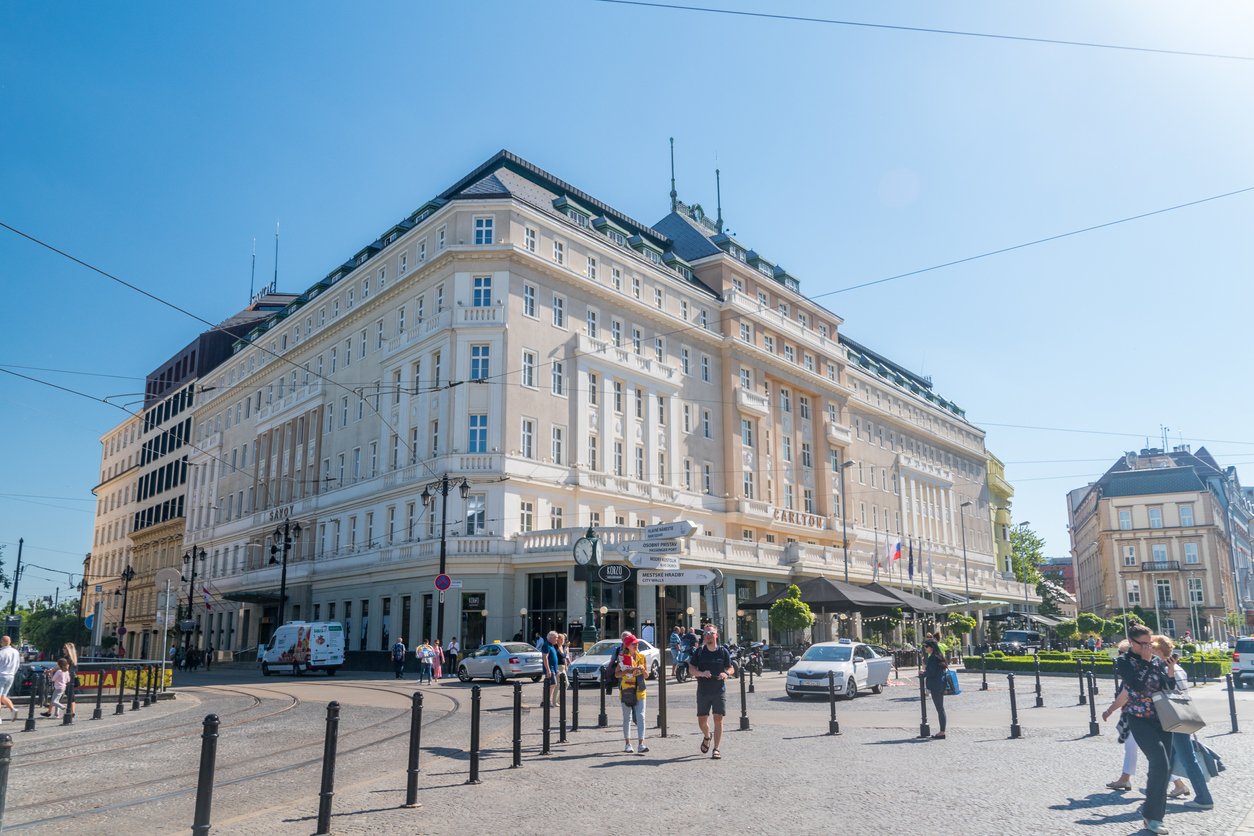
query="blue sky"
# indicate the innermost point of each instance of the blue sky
(157, 142)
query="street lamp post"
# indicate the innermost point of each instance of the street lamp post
(522, 623)
(128, 574)
(190, 559)
(601, 628)
(1024, 524)
(283, 534)
(442, 487)
(844, 515)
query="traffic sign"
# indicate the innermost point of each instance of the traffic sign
(662, 562)
(682, 528)
(650, 547)
(683, 577)
(457, 584)
(121, 631)
(443, 582)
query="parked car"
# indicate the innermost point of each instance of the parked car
(29, 676)
(500, 661)
(588, 669)
(1243, 662)
(29, 652)
(1019, 642)
(856, 666)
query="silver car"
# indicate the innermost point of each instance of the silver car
(500, 661)
(587, 668)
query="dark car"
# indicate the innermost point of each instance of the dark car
(1019, 642)
(29, 676)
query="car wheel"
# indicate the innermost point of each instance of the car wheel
(794, 696)
(653, 671)
(462, 674)
(265, 669)
(877, 689)
(331, 671)
(851, 689)
(498, 676)
(535, 678)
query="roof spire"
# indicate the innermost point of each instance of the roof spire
(718, 191)
(674, 194)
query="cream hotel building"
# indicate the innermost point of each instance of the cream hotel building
(565, 366)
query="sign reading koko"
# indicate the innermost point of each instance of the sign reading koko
(800, 518)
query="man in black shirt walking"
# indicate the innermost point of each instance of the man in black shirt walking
(711, 664)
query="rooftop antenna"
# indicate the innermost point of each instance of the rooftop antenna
(275, 286)
(718, 191)
(674, 194)
(252, 277)
(1165, 430)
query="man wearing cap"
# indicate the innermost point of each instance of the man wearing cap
(711, 664)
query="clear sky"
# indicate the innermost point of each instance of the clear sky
(157, 140)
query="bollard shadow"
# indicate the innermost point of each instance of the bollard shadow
(647, 761)
(898, 742)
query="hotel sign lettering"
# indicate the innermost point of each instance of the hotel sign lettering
(800, 518)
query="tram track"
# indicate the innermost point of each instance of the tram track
(269, 755)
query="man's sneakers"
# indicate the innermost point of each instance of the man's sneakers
(1154, 826)
(1198, 805)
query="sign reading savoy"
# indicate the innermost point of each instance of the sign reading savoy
(800, 518)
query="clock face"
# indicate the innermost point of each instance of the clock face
(585, 549)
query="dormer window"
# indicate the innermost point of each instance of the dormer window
(578, 217)
(765, 270)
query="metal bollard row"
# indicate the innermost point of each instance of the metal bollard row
(1015, 731)
(833, 727)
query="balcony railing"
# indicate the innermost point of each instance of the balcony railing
(1160, 566)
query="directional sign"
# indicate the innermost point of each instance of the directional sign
(683, 577)
(667, 563)
(650, 547)
(683, 528)
(443, 582)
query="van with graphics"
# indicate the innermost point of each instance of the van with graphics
(302, 646)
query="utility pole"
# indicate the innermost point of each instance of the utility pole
(17, 576)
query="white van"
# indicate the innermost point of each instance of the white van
(301, 646)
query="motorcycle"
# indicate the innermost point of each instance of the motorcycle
(681, 665)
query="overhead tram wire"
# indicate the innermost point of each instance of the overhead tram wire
(927, 30)
(212, 326)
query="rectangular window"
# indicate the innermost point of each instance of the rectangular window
(1186, 516)
(618, 458)
(1125, 519)
(640, 463)
(1190, 553)
(637, 340)
(557, 448)
(593, 460)
(400, 320)
(422, 250)
(476, 515)
(1129, 555)
(659, 349)
(807, 458)
(639, 403)
(616, 333)
(616, 278)
(356, 464)
(590, 324)
(707, 478)
(559, 311)
(555, 516)
(477, 442)
(1155, 517)
(746, 432)
(746, 333)
(529, 239)
(746, 379)
(787, 448)
(480, 361)
(483, 231)
(635, 286)
(803, 403)
(559, 252)
(529, 300)
(440, 236)
(594, 384)
(658, 298)
(705, 423)
(705, 369)
(1162, 592)
(592, 267)
(526, 516)
(404, 263)
(618, 397)
(1159, 552)
(528, 442)
(746, 484)
(481, 294)
(1134, 592)
(685, 361)
(559, 379)
(687, 418)
(529, 359)
(1196, 596)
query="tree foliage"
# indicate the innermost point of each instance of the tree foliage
(959, 624)
(790, 613)
(1066, 630)
(1027, 553)
(1052, 594)
(48, 628)
(1089, 624)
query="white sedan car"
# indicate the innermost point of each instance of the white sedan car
(587, 668)
(856, 666)
(502, 661)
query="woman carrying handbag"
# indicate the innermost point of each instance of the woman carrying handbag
(1145, 674)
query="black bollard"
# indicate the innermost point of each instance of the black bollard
(1015, 731)
(548, 716)
(1205, 672)
(984, 672)
(924, 729)
(561, 708)
(1040, 700)
(154, 673)
(475, 699)
(750, 680)
(602, 719)
(1093, 674)
(121, 709)
(574, 704)
(68, 720)
(517, 726)
(135, 699)
(100, 678)
(832, 726)
(415, 749)
(204, 783)
(744, 706)
(147, 686)
(33, 697)
(661, 697)
(6, 757)
(1094, 728)
(327, 791)
(1079, 669)
(1232, 706)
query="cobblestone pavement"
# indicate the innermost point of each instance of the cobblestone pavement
(784, 775)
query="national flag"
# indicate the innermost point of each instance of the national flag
(875, 563)
(911, 561)
(897, 552)
(208, 601)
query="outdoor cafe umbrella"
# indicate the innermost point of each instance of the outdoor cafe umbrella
(908, 600)
(827, 596)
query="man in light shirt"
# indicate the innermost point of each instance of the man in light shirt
(10, 661)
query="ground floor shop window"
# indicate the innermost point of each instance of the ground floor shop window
(546, 604)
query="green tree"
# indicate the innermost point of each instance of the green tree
(1066, 630)
(1049, 587)
(790, 614)
(1236, 624)
(1089, 624)
(959, 624)
(1027, 553)
(1143, 617)
(48, 628)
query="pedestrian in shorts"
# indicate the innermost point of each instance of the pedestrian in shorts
(10, 661)
(711, 665)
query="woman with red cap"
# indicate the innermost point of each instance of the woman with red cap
(631, 675)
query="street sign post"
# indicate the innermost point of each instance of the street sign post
(668, 546)
(665, 563)
(682, 577)
(682, 528)
(443, 582)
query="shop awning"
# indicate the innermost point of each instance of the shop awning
(909, 601)
(265, 596)
(826, 596)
